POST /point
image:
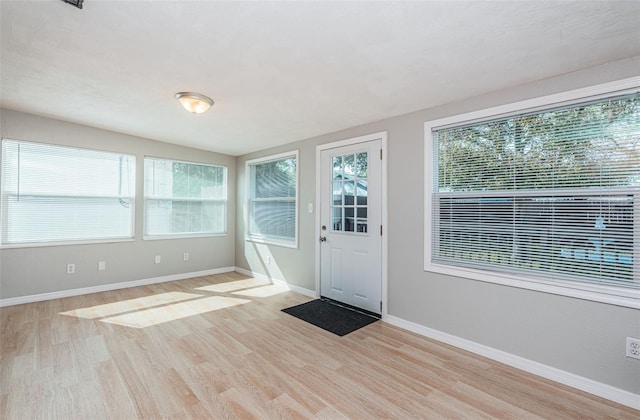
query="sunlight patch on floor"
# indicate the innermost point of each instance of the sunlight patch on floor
(233, 286)
(107, 309)
(155, 316)
(264, 291)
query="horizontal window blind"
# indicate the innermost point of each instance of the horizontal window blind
(184, 198)
(272, 199)
(553, 193)
(53, 193)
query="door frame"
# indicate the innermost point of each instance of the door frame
(384, 218)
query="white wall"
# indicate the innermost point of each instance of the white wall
(31, 271)
(577, 336)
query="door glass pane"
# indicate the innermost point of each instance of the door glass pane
(361, 224)
(349, 222)
(361, 190)
(361, 165)
(348, 193)
(337, 167)
(336, 219)
(349, 166)
(337, 193)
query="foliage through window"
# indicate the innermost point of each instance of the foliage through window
(184, 198)
(272, 204)
(551, 193)
(53, 194)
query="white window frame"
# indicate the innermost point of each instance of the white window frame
(599, 293)
(264, 239)
(148, 237)
(128, 238)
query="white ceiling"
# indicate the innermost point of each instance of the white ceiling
(286, 71)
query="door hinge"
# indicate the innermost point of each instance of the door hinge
(380, 306)
(380, 230)
(380, 154)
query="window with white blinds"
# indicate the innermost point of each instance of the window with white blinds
(552, 194)
(53, 194)
(183, 199)
(272, 199)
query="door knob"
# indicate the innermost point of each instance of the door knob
(323, 239)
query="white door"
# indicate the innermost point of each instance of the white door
(350, 218)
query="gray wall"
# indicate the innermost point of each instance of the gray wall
(582, 337)
(578, 336)
(29, 271)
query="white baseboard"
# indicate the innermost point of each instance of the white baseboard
(143, 282)
(292, 287)
(111, 286)
(249, 273)
(584, 384)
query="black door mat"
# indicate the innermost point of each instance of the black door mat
(331, 316)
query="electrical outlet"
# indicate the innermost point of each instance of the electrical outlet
(157, 259)
(633, 348)
(102, 265)
(185, 256)
(71, 268)
(268, 259)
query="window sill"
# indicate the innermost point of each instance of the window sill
(629, 298)
(65, 243)
(285, 244)
(182, 236)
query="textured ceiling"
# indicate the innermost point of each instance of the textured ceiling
(286, 71)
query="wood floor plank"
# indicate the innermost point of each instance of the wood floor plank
(446, 406)
(117, 398)
(218, 347)
(290, 408)
(488, 404)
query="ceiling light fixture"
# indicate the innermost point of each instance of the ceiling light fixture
(194, 102)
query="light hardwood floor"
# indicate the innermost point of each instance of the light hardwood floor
(218, 347)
